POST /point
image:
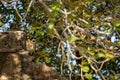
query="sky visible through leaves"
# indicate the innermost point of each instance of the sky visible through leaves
(64, 28)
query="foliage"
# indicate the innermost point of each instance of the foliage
(87, 31)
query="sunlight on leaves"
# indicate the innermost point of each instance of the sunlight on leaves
(47, 60)
(92, 38)
(88, 76)
(82, 37)
(91, 53)
(54, 13)
(55, 6)
(117, 23)
(101, 55)
(72, 39)
(118, 42)
(84, 63)
(85, 68)
(109, 56)
(51, 25)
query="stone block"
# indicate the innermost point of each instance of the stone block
(12, 41)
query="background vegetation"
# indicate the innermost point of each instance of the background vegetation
(80, 38)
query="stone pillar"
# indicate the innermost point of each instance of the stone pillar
(11, 45)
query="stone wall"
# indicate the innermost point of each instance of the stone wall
(16, 64)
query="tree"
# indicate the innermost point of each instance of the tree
(65, 31)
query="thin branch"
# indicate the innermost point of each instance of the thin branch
(45, 6)
(78, 58)
(60, 1)
(101, 75)
(82, 77)
(50, 10)
(61, 67)
(17, 12)
(66, 21)
(103, 63)
(68, 59)
(95, 69)
(83, 20)
(28, 9)
(57, 34)
(117, 54)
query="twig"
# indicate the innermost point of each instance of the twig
(66, 21)
(82, 77)
(28, 9)
(50, 10)
(60, 1)
(103, 63)
(46, 7)
(78, 57)
(68, 59)
(17, 12)
(61, 67)
(95, 69)
(101, 75)
(57, 34)
(83, 20)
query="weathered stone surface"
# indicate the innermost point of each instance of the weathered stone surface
(10, 66)
(17, 64)
(12, 41)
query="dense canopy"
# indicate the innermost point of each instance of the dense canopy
(80, 38)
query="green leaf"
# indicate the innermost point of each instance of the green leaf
(33, 28)
(101, 55)
(73, 67)
(37, 61)
(87, 25)
(109, 56)
(88, 76)
(51, 25)
(82, 37)
(2, 24)
(85, 68)
(74, 15)
(47, 59)
(39, 33)
(118, 42)
(54, 13)
(84, 62)
(117, 23)
(43, 52)
(114, 77)
(42, 33)
(72, 39)
(91, 53)
(55, 6)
